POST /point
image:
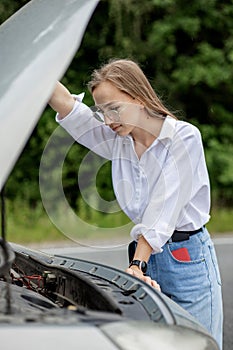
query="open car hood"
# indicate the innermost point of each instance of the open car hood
(37, 45)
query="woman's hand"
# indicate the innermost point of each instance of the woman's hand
(134, 271)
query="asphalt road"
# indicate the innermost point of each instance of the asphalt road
(116, 255)
(224, 249)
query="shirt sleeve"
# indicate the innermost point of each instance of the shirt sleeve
(88, 131)
(173, 190)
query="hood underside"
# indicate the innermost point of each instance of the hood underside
(37, 45)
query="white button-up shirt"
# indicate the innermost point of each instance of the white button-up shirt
(166, 189)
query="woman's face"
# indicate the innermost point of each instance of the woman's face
(108, 97)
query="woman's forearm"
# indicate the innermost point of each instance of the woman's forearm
(61, 100)
(143, 250)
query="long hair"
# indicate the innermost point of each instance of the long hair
(128, 77)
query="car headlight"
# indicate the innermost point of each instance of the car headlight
(143, 335)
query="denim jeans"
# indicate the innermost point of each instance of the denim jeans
(196, 284)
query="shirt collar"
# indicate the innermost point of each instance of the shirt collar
(168, 129)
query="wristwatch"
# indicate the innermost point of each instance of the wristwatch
(141, 264)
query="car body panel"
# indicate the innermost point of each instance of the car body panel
(37, 45)
(55, 337)
(91, 305)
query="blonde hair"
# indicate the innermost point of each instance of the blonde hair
(128, 77)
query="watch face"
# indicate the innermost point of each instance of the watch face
(143, 266)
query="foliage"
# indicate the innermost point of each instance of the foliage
(23, 227)
(187, 53)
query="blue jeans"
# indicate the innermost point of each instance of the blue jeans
(196, 284)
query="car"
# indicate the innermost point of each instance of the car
(54, 301)
(57, 301)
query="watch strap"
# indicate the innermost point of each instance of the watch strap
(142, 265)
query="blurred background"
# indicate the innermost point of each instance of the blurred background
(186, 51)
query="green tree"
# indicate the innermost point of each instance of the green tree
(186, 50)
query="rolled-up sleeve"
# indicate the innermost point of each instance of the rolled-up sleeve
(173, 190)
(86, 130)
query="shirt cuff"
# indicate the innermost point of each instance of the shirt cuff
(155, 239)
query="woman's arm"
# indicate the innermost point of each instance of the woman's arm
(143, 252)
(181, 193)
(77, 119)
(61, 100)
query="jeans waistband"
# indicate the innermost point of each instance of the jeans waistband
(179, 236)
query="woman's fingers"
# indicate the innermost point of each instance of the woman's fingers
(155, 285)
(146, 279)
(151, 282)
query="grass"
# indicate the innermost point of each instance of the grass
(221, 220)
(25, 225)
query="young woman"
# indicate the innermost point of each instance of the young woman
(160, 180)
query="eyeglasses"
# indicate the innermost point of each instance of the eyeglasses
(111, 113)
